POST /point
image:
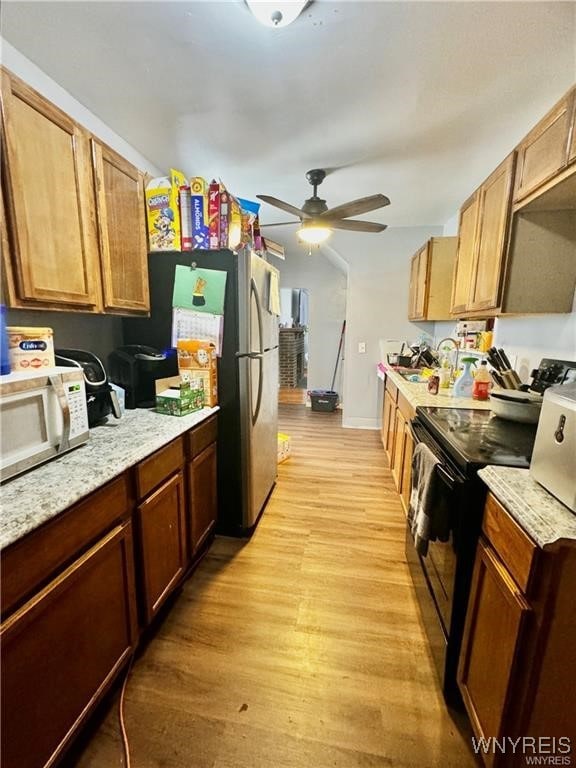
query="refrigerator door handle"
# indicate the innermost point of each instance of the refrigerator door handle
(257, 355)
(251, 355)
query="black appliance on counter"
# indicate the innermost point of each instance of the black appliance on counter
(101, 400)
(136, 368)
(464, 440)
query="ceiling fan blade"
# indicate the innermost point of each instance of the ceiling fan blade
(356, 207)
(284, 206)
(356, 226)
(280, 224)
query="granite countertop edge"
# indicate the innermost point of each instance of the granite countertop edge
(545, 519)
(35, 497)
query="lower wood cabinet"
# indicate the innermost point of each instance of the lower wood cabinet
(62, 648)
(518, 660)
(203, 501)
(162, 543)
(397, 439)
(70, 591)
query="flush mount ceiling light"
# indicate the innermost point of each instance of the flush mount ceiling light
(313, 232)
(276, 14)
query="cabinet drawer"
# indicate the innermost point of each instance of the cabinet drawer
(156, 468)
(514, 547)
(201, 436)
(391, 388)
(30, 562)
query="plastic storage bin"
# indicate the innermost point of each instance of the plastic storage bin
(323, 399)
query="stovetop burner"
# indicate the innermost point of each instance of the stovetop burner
(475, 438)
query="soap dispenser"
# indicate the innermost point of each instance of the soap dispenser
(464, 383)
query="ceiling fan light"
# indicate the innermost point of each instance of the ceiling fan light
(276, 14)
(313, 234)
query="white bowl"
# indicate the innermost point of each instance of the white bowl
(523, 409)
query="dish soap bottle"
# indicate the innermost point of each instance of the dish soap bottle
(464, 383)
(482, 381)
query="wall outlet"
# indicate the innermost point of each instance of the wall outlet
(470, 326)
(362, 347)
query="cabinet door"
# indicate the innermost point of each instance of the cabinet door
(407, 468)
(413, 291)
(61, 650)
(162, 542)
(122, 231)
(494, 623)
(572, 150)
(465, 255)
(399, 443)
(388, 426)
(422, 284)
(50, 203)
(494, 206)
(544, 152)
(203, 499)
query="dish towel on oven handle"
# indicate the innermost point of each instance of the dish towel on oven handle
(428, 512)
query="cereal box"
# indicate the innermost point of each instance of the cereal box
(199, 202)
(185, 218)
(234, 224)
(224, 214)
(214, 215)
(163, 213)
(197, 359)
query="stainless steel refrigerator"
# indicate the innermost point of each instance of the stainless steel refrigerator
(248, 374)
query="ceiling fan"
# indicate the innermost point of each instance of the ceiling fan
(318, 220)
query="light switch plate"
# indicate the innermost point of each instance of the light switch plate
(362, 347)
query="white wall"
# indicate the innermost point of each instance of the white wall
(19, 65)
(377, 308)
(326, 286)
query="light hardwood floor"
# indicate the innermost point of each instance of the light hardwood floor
(303, 647)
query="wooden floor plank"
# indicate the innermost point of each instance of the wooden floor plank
(303, 647)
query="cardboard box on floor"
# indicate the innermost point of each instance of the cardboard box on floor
(197, 358)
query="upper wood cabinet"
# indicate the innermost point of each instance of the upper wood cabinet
(430, 279)
(544, 151)
(75, 212)
(465, 254)
(122, 230)
(48, 190)
(479, 269)
(572, 150)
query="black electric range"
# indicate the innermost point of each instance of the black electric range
(474, 438)
(463, 440)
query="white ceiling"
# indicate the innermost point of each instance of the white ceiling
(417, 100)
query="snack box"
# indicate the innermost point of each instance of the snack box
(224, 217)
(185, 218)
(197, 359)
(163, 211)
(176, 396)
(234, 224)
(284, 447)
(214, 215)
(199, 204)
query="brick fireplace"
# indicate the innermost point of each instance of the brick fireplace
(291, 356)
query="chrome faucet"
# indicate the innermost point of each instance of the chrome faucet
(456, 347)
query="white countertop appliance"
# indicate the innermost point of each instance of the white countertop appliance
(554, 458)
(43, 415)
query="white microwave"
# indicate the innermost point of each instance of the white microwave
(43, 414)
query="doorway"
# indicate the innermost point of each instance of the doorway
(294, 347)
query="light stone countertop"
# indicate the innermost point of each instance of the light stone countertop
(38, 495)
(545, 519)
(417, 394)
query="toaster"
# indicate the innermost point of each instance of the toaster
(553, 462)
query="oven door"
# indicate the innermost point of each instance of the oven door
(434, 575)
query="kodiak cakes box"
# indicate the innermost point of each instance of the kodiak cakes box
(197, 359)
(178, 396)
(163, 212)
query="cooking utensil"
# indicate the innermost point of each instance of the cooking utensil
(498, 380)
(504, 407)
